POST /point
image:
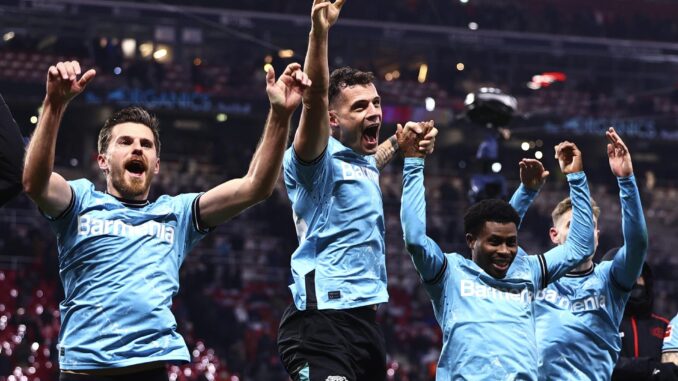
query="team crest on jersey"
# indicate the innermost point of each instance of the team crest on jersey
(336, 378)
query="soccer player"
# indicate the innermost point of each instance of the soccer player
(119, 253)
(11, 155)
(331, 174)
(670, 348)
(578, 316)
(484, 305)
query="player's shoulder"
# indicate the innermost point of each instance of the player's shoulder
(334, 144)
(82, 185)
(180, 200)
(604, 267)
(603, 270)
(458, 261)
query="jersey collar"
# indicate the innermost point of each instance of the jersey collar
(130, 203)
(582, 273)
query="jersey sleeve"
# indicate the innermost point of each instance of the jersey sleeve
(427, 256)
(188, 214)
(579, 244)
(81, 189)
(522, 199)
(306, 174)
(628, 261)
(671, 337)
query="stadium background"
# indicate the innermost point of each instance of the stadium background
(200, 67)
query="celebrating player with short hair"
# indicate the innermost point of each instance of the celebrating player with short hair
(578, 316)
(119, 253)
(484, 305)
(331, 174)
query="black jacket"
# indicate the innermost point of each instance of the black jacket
(642, 334)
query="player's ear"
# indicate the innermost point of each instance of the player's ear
(334, 119)
(553, 234)
(470, 240)
(103, 163)
(156, 168)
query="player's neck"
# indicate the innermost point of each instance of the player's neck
(584, 267)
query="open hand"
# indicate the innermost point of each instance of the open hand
(532, 173)
(285, 94)
(618, 155)
(63, 83)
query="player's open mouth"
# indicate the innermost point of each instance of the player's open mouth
(371, 136)
(136, 168)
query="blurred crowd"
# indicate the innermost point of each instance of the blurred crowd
(645, 20)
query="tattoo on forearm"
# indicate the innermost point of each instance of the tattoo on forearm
(670, 357)
(385, 152)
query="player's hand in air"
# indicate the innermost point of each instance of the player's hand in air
(618, 155)
(427, 143)
(324, 14)
(569, 157)
(532, 173)
(285, 93)
(416, 139)
(63, 83)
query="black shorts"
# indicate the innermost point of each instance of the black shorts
(157, 374)
(335, 345)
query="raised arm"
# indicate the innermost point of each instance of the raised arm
(46, 188)
(628, 262)
(311, 137)
(579, 244)
(224, 201)
(426, 254)
(11, 155)
(532, 177)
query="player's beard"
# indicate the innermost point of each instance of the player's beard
(130, 187)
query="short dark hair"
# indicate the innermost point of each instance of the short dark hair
(494, 210)
(132, 114)
(345, 77)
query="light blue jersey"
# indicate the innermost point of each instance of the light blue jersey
(488, 324)
(671, 337)
(578, 316)
(339, 217)
(119, 265)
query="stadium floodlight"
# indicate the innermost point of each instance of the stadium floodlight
(423, 73)
(430, 104)
(490, 107)
(129, 47)
(286, 53)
